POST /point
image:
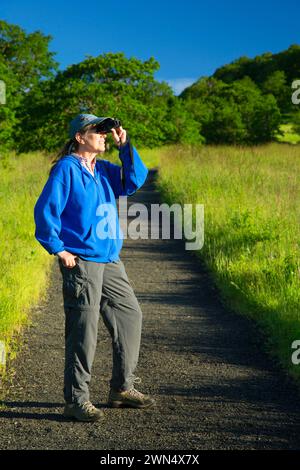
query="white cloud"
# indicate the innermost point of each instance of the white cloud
(179, 84)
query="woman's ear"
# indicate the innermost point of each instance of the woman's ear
(79, 138)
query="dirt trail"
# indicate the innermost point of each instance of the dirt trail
(214, 388)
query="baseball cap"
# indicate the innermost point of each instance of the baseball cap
(82, 120)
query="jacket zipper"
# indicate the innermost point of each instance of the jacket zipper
(97, 183)
(110, 241)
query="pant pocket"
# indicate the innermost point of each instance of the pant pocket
(74, 288)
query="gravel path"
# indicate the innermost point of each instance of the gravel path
(215, 389)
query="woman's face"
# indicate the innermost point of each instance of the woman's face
(92, 141)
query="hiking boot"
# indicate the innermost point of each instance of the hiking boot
(129, 398)
(85, 412)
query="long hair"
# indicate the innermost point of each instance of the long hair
(70, 146)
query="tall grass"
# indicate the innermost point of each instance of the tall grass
(23, 261)
(252, 234)
(251, 200)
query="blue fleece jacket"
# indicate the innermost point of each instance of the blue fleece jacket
(77, 211)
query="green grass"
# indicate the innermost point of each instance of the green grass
(252, 234)
(149, 156)
(251, 201)
(289, 135)
(24, 263)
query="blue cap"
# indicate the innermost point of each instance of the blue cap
(82, 120)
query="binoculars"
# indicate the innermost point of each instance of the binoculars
(108, 124)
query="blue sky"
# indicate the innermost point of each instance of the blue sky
(188, 38)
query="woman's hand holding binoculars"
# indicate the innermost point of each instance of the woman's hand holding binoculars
(119, 135)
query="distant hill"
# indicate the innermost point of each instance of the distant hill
(248, 101)
(262, 67)
(272, 73)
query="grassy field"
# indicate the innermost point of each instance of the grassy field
(251, 203)
(24, 264)
(252, 234)
(288, 134)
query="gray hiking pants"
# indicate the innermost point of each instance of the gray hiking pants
(90, 288)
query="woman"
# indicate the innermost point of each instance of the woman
(76, 219)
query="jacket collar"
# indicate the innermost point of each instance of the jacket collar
(84, 171)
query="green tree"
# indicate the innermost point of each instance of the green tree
(26, 55)
(272, 73)
(259, 113)
(107, 85)
(233, 113)
(276, 85)
(24, 61)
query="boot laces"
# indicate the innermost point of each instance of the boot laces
(135, 392)
(88, 407)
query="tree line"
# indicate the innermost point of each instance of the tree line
(242, 103)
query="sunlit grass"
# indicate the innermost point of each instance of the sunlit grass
(24, 263)
(252, 234)
(149, 156)
(289, 135)
(251, 201)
